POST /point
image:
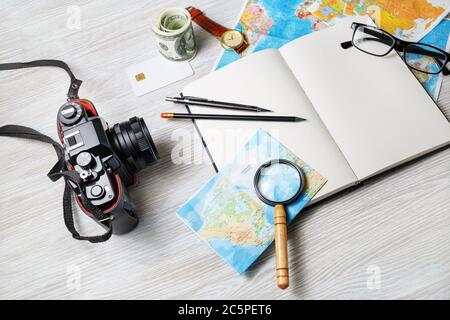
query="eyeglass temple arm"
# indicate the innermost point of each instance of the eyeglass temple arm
(348, 44)
(380, 37)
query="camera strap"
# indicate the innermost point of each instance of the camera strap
(60, 169)
(75, 83)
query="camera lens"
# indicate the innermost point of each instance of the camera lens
(132, 141)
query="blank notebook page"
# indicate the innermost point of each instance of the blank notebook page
(374, 107)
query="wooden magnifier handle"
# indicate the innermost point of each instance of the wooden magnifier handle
(281, 253)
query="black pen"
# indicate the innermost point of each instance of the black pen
(171, 115)
(196, 101)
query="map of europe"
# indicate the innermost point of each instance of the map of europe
(227, 214)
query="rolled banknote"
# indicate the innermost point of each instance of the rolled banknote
(174, 34)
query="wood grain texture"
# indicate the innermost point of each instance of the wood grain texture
(396, 226)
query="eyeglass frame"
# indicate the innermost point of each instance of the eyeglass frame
(398, 45)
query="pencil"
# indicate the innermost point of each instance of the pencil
(170, 115)
(202, 102)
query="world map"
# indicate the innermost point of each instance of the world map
(271, 24)
(227, 214)
(408, 20)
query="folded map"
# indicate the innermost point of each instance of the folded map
(228, 215)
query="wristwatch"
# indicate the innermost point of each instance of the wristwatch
(231, 39)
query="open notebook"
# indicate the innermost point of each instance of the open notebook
(364, 114)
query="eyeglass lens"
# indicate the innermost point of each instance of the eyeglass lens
(372, 40)
(425, 58)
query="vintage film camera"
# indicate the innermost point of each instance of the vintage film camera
(97, 162)
(106, 159)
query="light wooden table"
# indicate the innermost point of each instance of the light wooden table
(388, 239)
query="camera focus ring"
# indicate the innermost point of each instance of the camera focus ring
(133, 143)
(142, 142)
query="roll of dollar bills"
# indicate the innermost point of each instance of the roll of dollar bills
(174, 34)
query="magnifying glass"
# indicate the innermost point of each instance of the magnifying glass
(278, 183)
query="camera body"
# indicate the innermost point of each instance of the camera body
(107, 159)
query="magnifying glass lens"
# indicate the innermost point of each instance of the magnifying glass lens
(279, 182)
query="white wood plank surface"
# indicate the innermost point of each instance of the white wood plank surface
(396, 226)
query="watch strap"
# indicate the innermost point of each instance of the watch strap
(242, 47)
(206, 23)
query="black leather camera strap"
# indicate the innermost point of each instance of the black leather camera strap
(74, 82)
(60, 169)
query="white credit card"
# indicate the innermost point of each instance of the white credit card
(156, 73)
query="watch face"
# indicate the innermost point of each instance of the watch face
(232, 38)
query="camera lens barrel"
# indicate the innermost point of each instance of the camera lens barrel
(132, 141)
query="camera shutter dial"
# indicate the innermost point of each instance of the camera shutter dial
(84, 160)
(70, 113)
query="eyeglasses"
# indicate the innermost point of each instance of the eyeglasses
(418, 56)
